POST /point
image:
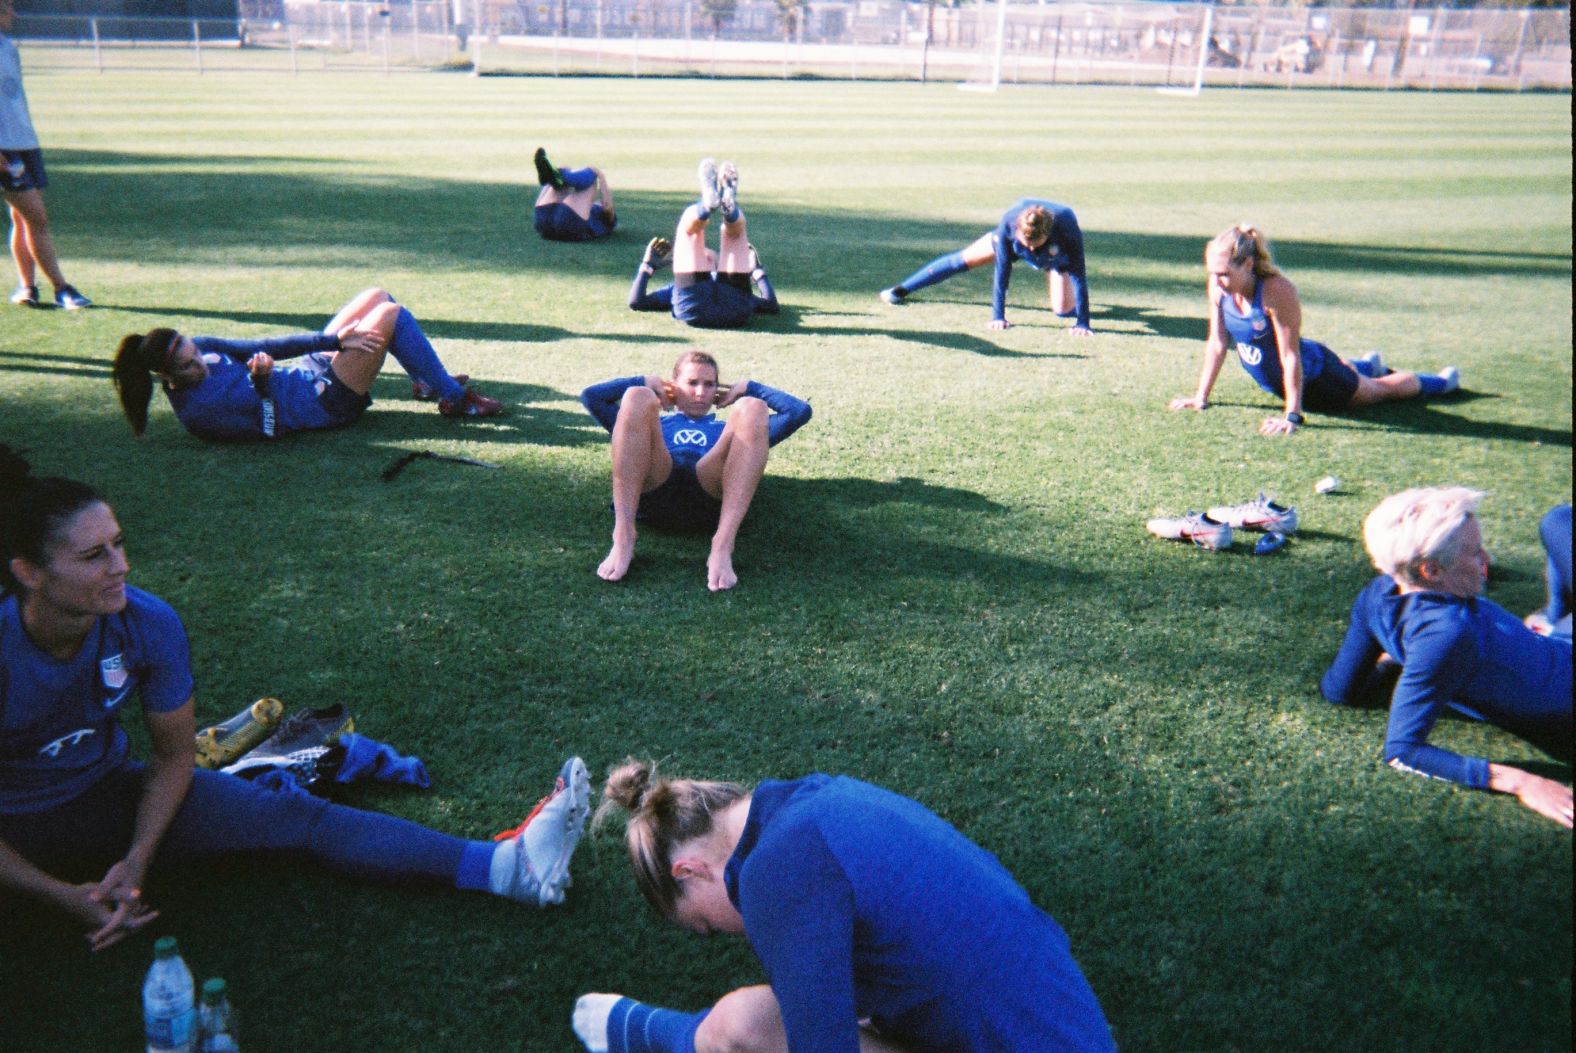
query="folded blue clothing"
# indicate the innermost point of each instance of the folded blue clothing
(368, 759)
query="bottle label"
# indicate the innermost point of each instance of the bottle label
(170, 1032)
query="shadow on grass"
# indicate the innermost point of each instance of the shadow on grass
(460, 225)
(64, 365)
(1427, 417)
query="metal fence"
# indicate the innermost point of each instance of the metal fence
(982, 41)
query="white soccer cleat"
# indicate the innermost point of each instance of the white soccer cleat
(710, 192)
(545, 841)
(893, 297)
(1258, 514)
(1374, 363)
(1196, 527)
(1452, 378)
(589, 1020)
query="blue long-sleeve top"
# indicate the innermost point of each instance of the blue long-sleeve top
(1466, 654)
(862, 903)
(689, 438)
(227, 405)
(1062, 252)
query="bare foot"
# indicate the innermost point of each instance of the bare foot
(719, 572)
(616, 565)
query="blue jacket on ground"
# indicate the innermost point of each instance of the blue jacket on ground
(862, 903)
(1465, 654)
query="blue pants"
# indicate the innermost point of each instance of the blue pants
(1555, 529)
(226, 815)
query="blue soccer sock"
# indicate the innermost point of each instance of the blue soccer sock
(474, 873)
(937, 270)
(578, 178)
(414, 352)
(634, 1027)
(1433, 385)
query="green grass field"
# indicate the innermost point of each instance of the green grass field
(946, 587)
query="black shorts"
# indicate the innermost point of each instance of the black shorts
(723, 303)
(680, 503)
(32, 175)
(1332, 390)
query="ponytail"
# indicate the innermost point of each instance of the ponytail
(1243, 242)
(138, 357)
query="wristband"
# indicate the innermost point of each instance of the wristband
(1294, 419)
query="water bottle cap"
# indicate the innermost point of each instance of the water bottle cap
(213, 991)
(164, 947)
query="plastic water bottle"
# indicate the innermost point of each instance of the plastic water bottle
(168, 1012)
(216, 1020)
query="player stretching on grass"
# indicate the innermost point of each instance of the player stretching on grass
(1256, 305)
(232, 389)
(575, 204)
(710, 290)
(880, 927)
(688, 470)
(22, 180)
(1042, 234)
(1456, 650)
(81, 824)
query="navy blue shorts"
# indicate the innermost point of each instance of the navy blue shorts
(559, 222)
(680, 503)
(711, 304)
(32, 177)
(1332, 390)
(310, 396)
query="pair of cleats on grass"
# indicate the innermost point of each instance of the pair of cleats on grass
(1212, 529)
(470, 404)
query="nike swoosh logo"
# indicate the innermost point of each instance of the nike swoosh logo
(113, 702)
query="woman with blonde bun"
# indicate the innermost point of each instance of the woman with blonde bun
(1254, 304)
(880, 926)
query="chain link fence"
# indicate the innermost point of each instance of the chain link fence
(1181, 45)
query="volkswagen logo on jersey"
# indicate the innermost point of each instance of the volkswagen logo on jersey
(689, 437)
(113, 670)
(1250, 354)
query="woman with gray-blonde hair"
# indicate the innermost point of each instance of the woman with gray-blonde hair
(881, 927)
(1456, 650)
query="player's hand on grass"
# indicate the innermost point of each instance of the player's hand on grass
(1276, 426)
(1000, 323)
(1081, 330)
(260, 364)
(1544, 796)
(1191, 402)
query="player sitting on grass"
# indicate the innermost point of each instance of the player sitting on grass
(1042, 234)
(710, 290)
(688, 470)
(575, 204)
(81, 824)
(1455, 650)
(233, 389)
(1256, 305)
(880, 927)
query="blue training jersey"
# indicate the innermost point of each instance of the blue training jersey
(688, 439)
(1062, 252)
(862, 903)
(226, 405)
(1465, 654)
(1258, 348)
(60, 720)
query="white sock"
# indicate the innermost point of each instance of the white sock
(590, 1020)
(500, 875)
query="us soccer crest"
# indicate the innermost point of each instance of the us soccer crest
(113, 670)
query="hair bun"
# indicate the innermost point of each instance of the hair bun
(630, 783)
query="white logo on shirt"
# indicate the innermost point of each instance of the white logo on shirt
(1250, 354)
(689, 437)
(54, 748)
